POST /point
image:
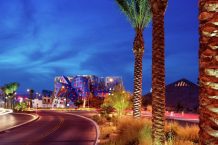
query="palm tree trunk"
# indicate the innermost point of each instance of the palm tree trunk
(138, 52)
(208, 61)
(158, 73)
(5, 104)
(84, 102)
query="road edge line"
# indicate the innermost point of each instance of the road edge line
(95, 124)
(35, 117)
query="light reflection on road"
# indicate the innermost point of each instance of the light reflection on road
(5, 111)
(7, 120)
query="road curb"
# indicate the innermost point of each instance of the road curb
(95, 124)
(35, 117)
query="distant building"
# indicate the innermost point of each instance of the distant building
(47, 93)
(67, 89)
(37, 103)
(181, 95)
(46, 99)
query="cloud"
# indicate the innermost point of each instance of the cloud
(41, 39)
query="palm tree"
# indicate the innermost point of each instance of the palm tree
(9, 91)
(139, 15)
(158, 8)
(208, 81)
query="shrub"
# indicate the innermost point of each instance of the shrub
(106, 109)
(106, 131)
(132, 131)
(119, 100)
(99, 120)
(145, 136)
(138, 132)
(20, 106)
(188, 132)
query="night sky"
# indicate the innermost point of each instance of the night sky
(41, 39)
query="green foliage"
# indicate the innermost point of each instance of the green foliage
(145, 134)
(119, 100)
(137, 11)
(106, 109)
(10, 89)
(21, 106)
(9, 93)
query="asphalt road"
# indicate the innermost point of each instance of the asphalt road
(52, 128)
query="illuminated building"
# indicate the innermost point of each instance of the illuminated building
(67, 89)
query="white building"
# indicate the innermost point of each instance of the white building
(37, 103)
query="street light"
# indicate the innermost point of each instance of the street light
(111, 79)
(30, 91)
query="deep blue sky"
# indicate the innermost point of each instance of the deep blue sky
(40, 39)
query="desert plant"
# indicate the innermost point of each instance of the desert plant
(119, 100)
(20, 106)
(134, 131)
(99, 119)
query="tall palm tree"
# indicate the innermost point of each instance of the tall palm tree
(158, 8)
(208, 69)
(139, 15)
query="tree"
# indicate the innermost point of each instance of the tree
(78, 102)
(158, 8)
(119, 100)
(9, 91)
(31, 93)
(139, 15)
(208, 81)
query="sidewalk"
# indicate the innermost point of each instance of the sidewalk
(13, 120)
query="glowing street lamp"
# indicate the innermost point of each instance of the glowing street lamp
(111, 79)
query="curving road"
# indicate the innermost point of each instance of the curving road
(52, 128)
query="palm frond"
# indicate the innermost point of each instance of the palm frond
(137, 11)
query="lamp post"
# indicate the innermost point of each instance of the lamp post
(63, 87)
(30, 91)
